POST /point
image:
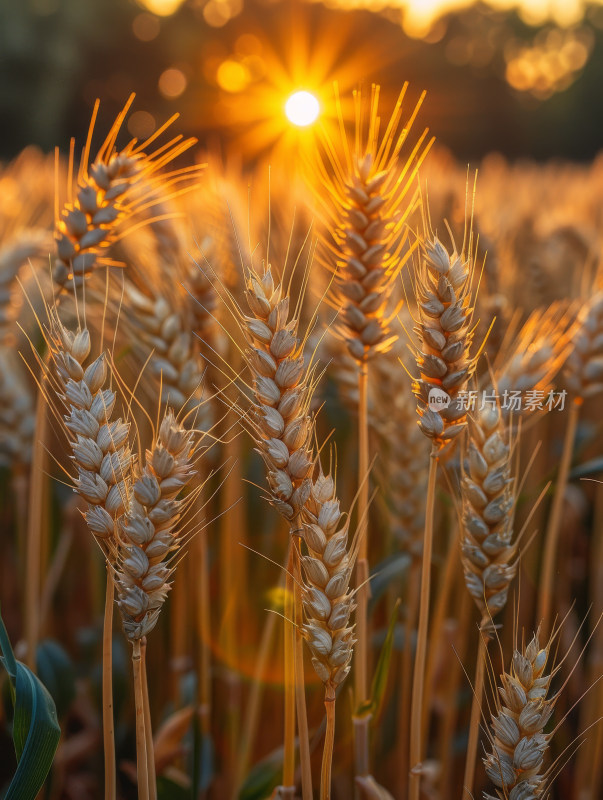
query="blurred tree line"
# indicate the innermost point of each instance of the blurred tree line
(57, 55)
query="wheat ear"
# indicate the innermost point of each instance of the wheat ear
(163, 324)
(116, 187)
(488, 505)
(535, 355)
(518, 739)
(147, 529)
(17, 413)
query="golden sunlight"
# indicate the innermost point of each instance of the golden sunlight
(162, 8)
(302, 108)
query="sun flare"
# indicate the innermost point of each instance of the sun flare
(302, 108)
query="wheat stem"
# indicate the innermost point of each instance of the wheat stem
(300, 693)
(141, 743)
(551, 541)
(253, 706)
(421, 652)
(442, 606)
(148, 728)
(361, 724)
(108, 726)
(412, 606)
(289, 679)
(451, 691)
(178, 639)
(327, 753)
(231, 572)
(35, 523)
(476, 711)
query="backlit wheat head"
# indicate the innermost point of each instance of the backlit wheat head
(148, 529)
(117, 186)
(327, 569)
(488, 506)
(519, 743)
(99, 443)
(443, 292)
(366, 194)
(282, 389)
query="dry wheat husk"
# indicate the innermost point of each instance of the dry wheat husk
(327, 568)
(518, 741)
(147, 530)
(114, 189)
(488, 505)
(366, 198)
(443, 290)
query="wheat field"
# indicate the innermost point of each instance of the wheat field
(300, 470)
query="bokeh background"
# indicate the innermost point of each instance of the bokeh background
(521, 77)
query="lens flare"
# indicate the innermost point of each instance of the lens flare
(302, 108)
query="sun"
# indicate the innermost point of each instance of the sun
(302, 108)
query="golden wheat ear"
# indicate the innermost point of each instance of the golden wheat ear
(99, 442)
(148, 538)
(532, 357)
(488, 510)
(518, 741)
(327, 569)
(112, 192)
(443, 285)
(365, 193)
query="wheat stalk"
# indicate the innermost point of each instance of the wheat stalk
(282, 429)
(443, 284)
(146, 560)
(365, 192)
(100, 451)
(103, 462)
(487, 549)
(443, 288)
